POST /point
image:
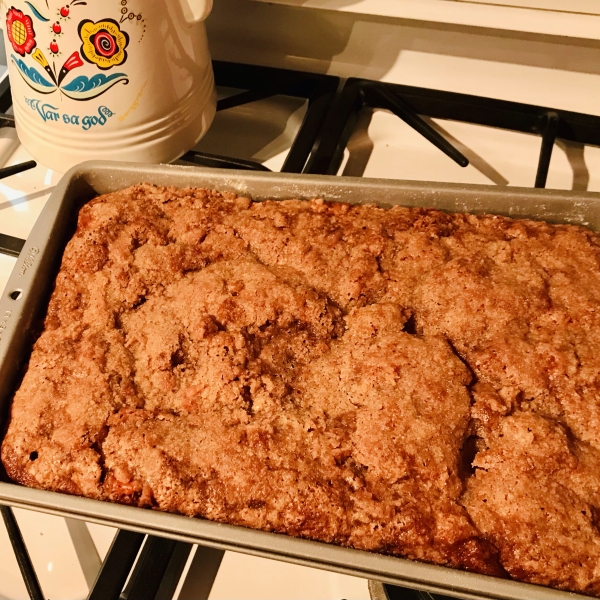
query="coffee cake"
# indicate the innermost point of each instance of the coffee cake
(404, 381)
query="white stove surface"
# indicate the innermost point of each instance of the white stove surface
(67, 554)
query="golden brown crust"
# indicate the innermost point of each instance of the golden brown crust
(404, 381)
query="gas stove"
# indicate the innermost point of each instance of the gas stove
(279, 120)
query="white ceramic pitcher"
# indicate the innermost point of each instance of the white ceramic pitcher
(108, 79)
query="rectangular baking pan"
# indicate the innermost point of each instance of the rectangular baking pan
(30, 284)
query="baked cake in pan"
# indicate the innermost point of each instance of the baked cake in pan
(404, 381)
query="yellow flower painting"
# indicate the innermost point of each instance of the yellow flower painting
(103, 43)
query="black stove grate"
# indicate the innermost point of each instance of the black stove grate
(265, 82)
(16, 539)
(147, 567)
(410, 103)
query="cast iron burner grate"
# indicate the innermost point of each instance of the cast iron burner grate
(139, 567)
(409, 103)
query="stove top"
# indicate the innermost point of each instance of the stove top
(271, 119)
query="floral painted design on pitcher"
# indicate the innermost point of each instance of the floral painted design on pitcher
(116, 79)
(103, 44)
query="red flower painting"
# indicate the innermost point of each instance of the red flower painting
(19, 29)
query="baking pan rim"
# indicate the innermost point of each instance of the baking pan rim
(48, 236)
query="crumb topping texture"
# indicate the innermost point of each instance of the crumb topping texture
(403, 381)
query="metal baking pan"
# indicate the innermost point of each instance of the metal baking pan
(31, 282)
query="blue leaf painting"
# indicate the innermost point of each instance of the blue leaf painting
(37, 13)
(87, 88)
(33, 78)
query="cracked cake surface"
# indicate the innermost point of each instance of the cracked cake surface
(400, 380)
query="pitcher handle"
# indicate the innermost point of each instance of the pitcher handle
(196, 10)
